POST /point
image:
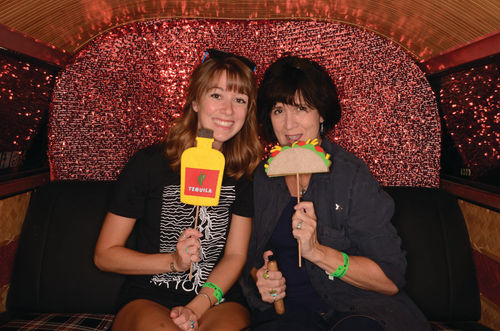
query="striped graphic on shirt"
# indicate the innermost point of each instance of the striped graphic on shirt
(212, 223)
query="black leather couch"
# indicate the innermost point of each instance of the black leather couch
(55, 283)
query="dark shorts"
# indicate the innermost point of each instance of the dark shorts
(169, 299)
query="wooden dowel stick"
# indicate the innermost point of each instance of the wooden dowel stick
(298, 241)
(195, 227)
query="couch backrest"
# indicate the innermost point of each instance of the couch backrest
(441, 276)
(54, 269)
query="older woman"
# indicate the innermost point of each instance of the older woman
(353, 268)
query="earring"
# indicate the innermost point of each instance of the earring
(321, 129)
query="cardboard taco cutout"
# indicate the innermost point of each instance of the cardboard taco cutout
(300, 158)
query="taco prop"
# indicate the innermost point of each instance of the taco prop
(202, 169)
(300, 158)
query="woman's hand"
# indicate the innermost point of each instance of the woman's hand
(184, 318)
(187, 249)
(304, 228)
(271, 284)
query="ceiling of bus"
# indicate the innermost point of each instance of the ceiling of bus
(425, 28)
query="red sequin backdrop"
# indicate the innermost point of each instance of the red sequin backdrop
(470, 102)
(124, 88)
(25, 90)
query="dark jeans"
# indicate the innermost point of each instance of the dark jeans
(298, 318)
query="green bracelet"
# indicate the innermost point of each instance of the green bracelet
(218, 294)
(341, 269)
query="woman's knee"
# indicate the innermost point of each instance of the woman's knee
(143, 315)
(227, 316)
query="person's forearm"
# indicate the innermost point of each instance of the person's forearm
(123, 260)
(224, 275)
(362, 271)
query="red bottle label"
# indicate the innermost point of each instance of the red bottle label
(201, 182)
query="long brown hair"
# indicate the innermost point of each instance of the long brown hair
(244, 150)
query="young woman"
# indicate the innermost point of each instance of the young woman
(352, 264)
(158, 294)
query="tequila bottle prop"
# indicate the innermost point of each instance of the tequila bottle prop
(202, 169)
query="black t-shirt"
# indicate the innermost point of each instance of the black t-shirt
(149, 191)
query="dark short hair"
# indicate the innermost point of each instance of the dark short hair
(289, 75)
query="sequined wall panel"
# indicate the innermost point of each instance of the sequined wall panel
(470, 101)
(25, 90)
(125, 87)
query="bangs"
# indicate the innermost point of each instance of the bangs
(291, 88)
(290, 95)
(234, 81)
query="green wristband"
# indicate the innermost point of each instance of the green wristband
(218, 294)
(341, 269)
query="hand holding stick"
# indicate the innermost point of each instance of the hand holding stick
(279, 305)
(202, 169)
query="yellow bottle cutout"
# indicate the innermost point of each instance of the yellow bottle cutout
(202, 169)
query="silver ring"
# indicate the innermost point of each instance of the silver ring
(299, 225)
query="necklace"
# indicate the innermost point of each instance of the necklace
(296, 186)
(303, 187)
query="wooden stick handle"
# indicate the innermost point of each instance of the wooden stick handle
(279, 305)
(298, 241)
(195, 226)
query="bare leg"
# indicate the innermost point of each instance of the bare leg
(229, 316)
(143, 314)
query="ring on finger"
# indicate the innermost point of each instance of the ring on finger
(265, 275)
(192, 324)
(299, 225)
(187, 250)
(272, 293)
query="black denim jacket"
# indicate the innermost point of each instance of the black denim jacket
(353, 215)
